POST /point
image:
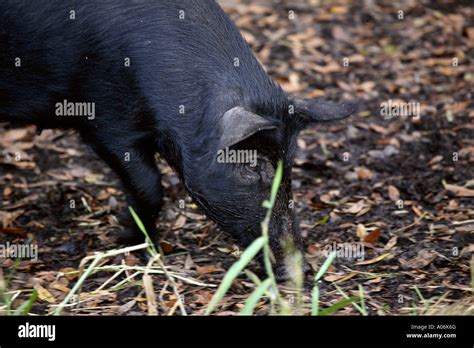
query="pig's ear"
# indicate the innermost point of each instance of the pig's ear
(320, 110)
(238, 124)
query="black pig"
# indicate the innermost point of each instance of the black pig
(136, 78)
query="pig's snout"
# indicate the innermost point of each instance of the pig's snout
(287, 247)
(283, 273)
(286, 226)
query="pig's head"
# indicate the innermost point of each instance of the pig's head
(233, 184)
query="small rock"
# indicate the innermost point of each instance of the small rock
(352, 132)
(351, 176)
(390, 150)
(377, 154)
(112, 202)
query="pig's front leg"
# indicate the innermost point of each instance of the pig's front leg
(136, 167)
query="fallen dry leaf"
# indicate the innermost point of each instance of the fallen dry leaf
(339, 278)
(467, 250)
(363, 173)
(203, 297)
(14, 231)
(374, 260)
(417, 211)
(44, 295)
(355, 208)
(459, 191)
(422, 259)
(361, 232)
(6, 218)
(68, 270)
(373, 236)
(179, 223)
(312, 249)
(208, 269)
(391, 243)
(393, 193)
(166, 247)
(333, 277)
(60, 287)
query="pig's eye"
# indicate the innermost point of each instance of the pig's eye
(262, 169)
(249, 172)
(266, 170)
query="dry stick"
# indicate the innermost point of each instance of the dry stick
(123, 264)
(403, 229)
(112, 253)
(115, 275)
(156, 256)
(150, 294)
(435, 305)
(93, 308)
(148, 285)
(126, 280)
(77, 285)
(160, 296)
(173, 309)
(104, 256)
(170, 279)
(156, 271)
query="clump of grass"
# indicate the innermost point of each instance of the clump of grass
(132, 272)
(97, 258)
(8, 297)
(156, 256)
(442, 305)
(269, 288)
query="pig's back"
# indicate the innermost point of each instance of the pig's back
(181, 52)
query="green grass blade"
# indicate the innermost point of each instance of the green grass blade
(325, 266)
(277, 181)
(275, 187)
(346, 296)
(362, 301)
(76, 286)
(151, 247)
(138, 221)
(339, 305)
(234, 271)
(25, 307)
(253, 277)
(425, 303)
(315, 301)
(255, 296)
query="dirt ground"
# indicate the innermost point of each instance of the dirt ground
(402, 186)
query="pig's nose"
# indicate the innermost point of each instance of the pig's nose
(286, 225)
(281, 272)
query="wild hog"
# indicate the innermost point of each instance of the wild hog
(136, 78)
